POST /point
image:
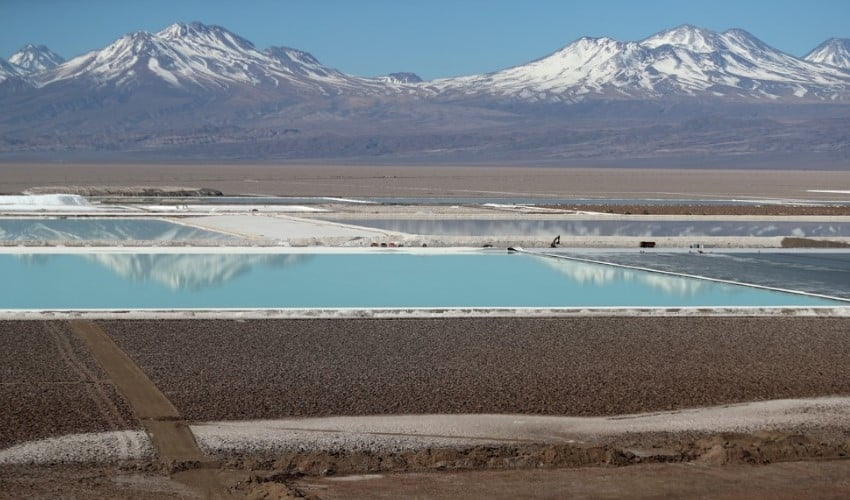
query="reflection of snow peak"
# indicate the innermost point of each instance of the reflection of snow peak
(190, 271)
(599, 274)
(101, 229)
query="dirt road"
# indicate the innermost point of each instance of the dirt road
(170, 434)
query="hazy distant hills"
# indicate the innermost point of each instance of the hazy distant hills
(193, 91)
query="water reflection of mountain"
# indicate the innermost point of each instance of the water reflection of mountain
(33, 259)
(190, 271)
(599, 274)
(594, 228)
(102, 229)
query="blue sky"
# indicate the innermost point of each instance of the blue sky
(433, 38)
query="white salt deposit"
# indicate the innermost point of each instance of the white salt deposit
(45, 202)
(285, 228)
(97, 447)
(225, 209)
(413, 431)
(405, 432)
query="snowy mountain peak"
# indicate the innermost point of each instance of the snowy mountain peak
(196, 56)
(688, 37)
(835, 52)
(177, 30)
(684, 61)
(403, 77)
(586, 42)
(135, 41)
(737, 37)
(35, 58)
(180, 56)
(203, 34)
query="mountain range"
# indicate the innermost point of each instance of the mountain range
(199, 91)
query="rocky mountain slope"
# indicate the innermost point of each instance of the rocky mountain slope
(8, 70)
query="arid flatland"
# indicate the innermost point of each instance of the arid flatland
(424, 181)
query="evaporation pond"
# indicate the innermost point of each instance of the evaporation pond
(574, 227)
(71, 229)
(115, 280)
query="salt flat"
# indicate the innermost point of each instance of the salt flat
(412, 432)
(285, 228)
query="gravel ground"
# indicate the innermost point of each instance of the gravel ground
(778, 481)
(649, 209)
(231, 370)
(51, 386)
(89, 482)
(503, 180)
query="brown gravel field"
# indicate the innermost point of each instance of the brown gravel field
(646, 209)
(445, 180)
(50, 385)
(776, 481)
(224, 369)
(89, 482)
(237, 369)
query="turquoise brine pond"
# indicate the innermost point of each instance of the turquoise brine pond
(103, 280)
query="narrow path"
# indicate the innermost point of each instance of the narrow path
(169, 433)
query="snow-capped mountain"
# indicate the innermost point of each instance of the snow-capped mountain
(684, 61)
(8, 70)
(402, 77)
(35, 58)
(199, 91)
(184, 272)
(196, 56)
(835, 52)
(302, 63)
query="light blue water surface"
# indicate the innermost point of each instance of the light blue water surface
(73, 228)
(138, 281)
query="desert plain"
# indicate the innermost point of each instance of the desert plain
(441, 180)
